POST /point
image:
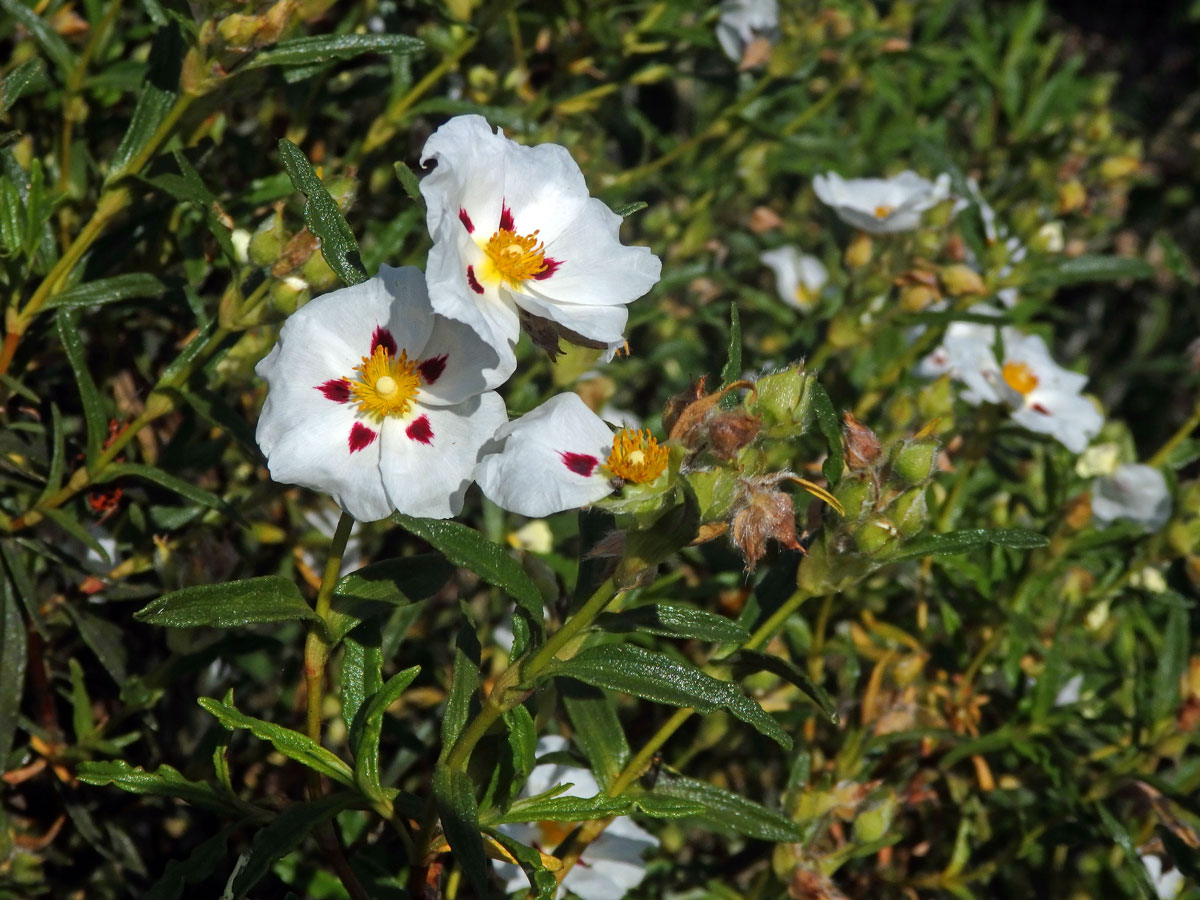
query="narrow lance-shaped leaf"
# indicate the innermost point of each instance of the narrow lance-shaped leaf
(969, 539)
(654, 676)
(180, 486)
(764, 662)
(13, 646)
(360, 675)
(733, 362)
(726, 812)
(323, 217)
(197, 868)
(1078, 269)
(466, 547)
(670, 620)
(597, 730)
(26, 77)
(164, 781)
(283, 836)
(270, 598)
(366, 752)
(542, 881)
(831, 429)
(43, 32)
(464, 685)
(292, 744)
(95, 418)
(155, 99)
(327, 47)
(453, 791)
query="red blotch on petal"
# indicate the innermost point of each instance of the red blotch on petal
(551, 267)
(431, 369)
(383, 338)
(361, 437)
(335, 389)
(419, 430)
(466, 220)
(506, 217)
(579, 463)
(1037, 407)
(473, 281)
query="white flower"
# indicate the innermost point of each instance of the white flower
(561, 455)
(516, 235)
(1166, 884)
(881, 205)
(742, 22)
(377, 402)
(1070, 692)
(1134, 492)
(1040, 395)
(799, 277)
(611, 865)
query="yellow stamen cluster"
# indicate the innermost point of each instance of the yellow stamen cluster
(386, 386)
(1019, 377)
(883, 211)
(512, 257)
(636, 456)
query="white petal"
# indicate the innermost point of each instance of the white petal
(858, 200)
(457, 363)
(314, 452)
(470, 174)
(799, 277)
(491, 316)
(544, 190)
(1134, 492)
(593, 266)
(551, 460)
(600, 323)
(427, 458)
(1069, 418)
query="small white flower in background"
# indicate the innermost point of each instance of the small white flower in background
(1040, 395)
(1166, 884)
(377, 402)
(1132, 492)
(799, 277)
(1070, 692)
(744, 22)
(561, 455)
(612, 864)
(881, 205)
(517, 237)
(534, 536)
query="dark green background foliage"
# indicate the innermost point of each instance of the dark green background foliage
(165, 171)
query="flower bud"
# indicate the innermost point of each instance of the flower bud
(288, 294)
(914, 460)
(266, 244)
(318, 274)
(764, 513)
(873, 823)
(872, 537)
(857, 496)
(862, 446)
(1071, 197)
(960, 280)
(1049, 238)
(778, 397)
(1117, 167)
(916, 297)
(859, 251)
(909, 512)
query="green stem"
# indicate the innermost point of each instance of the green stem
(318, 645)
(775, 621)
(1176, 439)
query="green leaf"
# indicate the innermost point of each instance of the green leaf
(291, 744)
(654, 676)
(94, 415)
(189, 187)
(1172, 660)
(197, 868)
(597, 730)
(180, 486)
(164, 781)
(764, 662)
(660, 806)
(670, 620)
(323, 217)
(155, 100)
(28, 76)
(733, 362)
(360, 675)
(366, 752)
(283, 836)
(81, 704)
(726, 812)
(626, 210)
(541, 879)
(831, 429)
(522, 742)
(54, 474)
(269, 598)
(397, 581)
(1124, 840)
(969, 539)
(43, 32)
(327, 47)
(13, 647)
(408, 181)
(105, 638)
(464, 685)
(566, 809)
(1076, 269)
(466, 547)
(76, 529)
(453, 791)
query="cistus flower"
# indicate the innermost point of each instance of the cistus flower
(881, 205)
(799, 277)
(1167, 883)
(377, 402)
(1132, 492)
(517, 237)
(1040, 395)
(744, 23)
(610, 866)
(561, 455)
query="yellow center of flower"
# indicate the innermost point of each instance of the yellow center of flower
(386, 386)
(1019, 377)
(636, 456)
(513, 257)
(553, 834)
(883, 211)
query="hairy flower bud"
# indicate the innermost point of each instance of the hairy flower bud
(765, 514)
(859, 251)
(913, 461)
(862, 446)
(961, 280)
